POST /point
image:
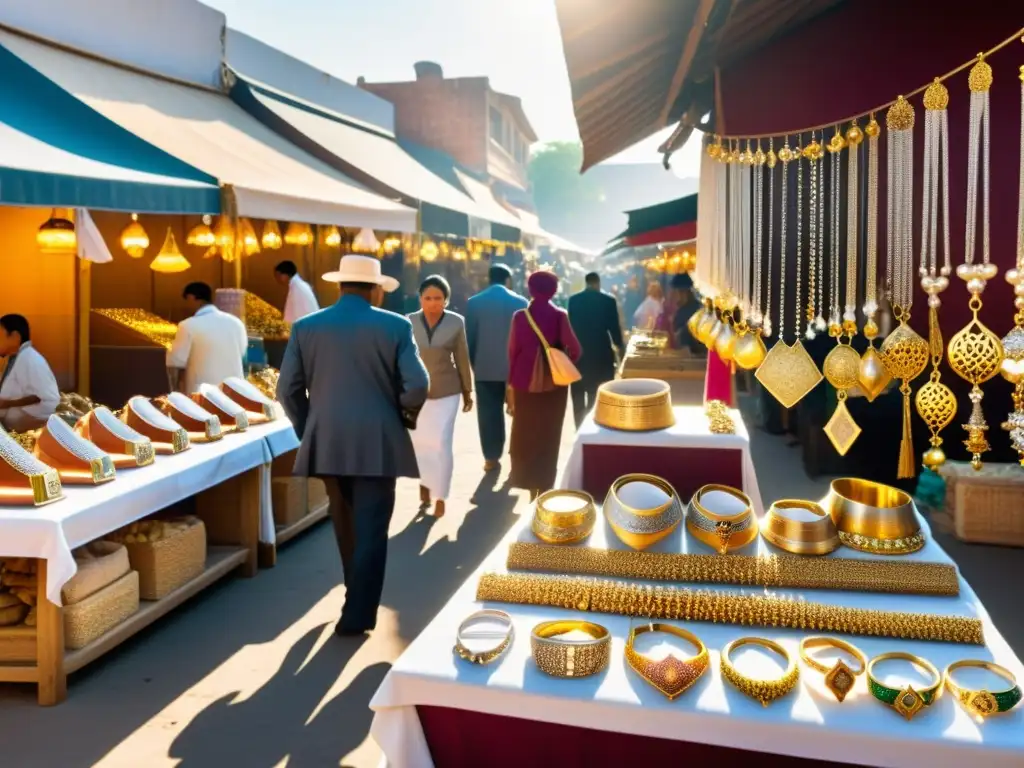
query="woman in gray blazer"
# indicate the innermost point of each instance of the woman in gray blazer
(441, 338)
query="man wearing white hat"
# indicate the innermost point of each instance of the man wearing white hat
(352, 382)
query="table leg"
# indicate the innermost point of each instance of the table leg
(231, 513)
(52, 684)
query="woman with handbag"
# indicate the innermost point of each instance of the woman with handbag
(542, 349)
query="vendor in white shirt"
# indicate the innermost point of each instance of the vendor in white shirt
(28, 390)
(301, 300)
(209, 347)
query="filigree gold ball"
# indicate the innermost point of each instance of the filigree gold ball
(870, 329)
(934, 458)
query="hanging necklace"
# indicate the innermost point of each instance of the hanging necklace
(936, 403)
(750, 351)
(975, 353)
(788, 372)
(1013, 342)
(873, 375)
(842, 363)
(906, 353)
(719, 201)
(812, 153)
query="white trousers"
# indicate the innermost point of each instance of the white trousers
(433, 442)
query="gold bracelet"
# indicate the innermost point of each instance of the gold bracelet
(561, 657)
(765, 691)
(817, 537)
(640, 528)
(483, 657)
(907, 701)
(683, 604)
(563, 526)
(669, 675)
(903, 577)
(721, 532)
(874, 518)
(984, 703)
(840, 677)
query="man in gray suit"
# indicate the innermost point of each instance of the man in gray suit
(488, 322)
(351, 381)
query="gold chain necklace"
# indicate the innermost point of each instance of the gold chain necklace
(975, 353)
(1012, 367)
(935, 402)
(749, 351)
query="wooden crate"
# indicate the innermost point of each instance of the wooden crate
(290, 499)
(987, 506)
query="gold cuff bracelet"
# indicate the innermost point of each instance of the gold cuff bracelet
(563, 517)
(721, 532)
(801, 537)
(873, 517)
(568, 657)
(490, 654)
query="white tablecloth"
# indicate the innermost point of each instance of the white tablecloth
(806, 723)
(88, 512)
(690, 431)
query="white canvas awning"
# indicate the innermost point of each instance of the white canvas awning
(489, 206)
(272, 178)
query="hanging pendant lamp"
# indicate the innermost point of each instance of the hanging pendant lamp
(134, 239)
(298, 234)
(332, 237)
(429, 251)
(169, 259)
(201, 235)
(250, 243)
(271, 239)
(366, 241)
(56, 235)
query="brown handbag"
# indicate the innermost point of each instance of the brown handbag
(563, 371)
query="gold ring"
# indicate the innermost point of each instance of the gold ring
(670, 675)
(907, 701)
(721, 532)
(489, 655)
(984, 703)
(563, 657)
(765, 691)
(801, 537)
(574, 522)
(840, 677)
(873, 517)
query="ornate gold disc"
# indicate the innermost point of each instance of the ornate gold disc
(842, 366)
(788, 373)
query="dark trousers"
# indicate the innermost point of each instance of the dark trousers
(490, 417)
(584, 394)
(361, 509)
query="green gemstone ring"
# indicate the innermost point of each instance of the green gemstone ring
(984, 703)
(908, 701)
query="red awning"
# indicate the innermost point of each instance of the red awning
(676, 233)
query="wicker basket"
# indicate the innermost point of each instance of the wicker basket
(317, 493)
(987, 506)
(634, 405)
(99, 613)
(289, 497)
(109, 562)
(166, 564)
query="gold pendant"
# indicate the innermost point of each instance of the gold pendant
(694, 322)
(706, 326)
(725, 340)
(872, 375)
(749, 351)
(1012, 370)
(841, 368)
(936, 405)
(906, 356)
(788, 373)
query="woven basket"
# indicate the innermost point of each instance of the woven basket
(634, 405)
(108, 564)
(99, 613)
(165, 564)
(289, 497)
(988, 505)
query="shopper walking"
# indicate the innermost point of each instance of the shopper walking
(538, 404)
(488, 324)
(351, 411)
(441, 338)
(594, 315)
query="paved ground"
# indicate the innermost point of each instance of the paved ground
(251, 675)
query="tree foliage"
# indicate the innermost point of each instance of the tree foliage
(560, 192)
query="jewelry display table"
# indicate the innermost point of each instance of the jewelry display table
(687, 455)
(225, 477)
(435, 709)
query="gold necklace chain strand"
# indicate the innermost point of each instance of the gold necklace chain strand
(1012, 367)
(896, 577)
(682, 604)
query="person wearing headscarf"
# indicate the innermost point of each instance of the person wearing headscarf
(538, 404)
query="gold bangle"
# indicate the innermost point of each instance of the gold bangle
(670, 675)
(907, 701)
(817, 537)
(561, 657)
(556, 526)
(984, 703)
(640, 528)
(721, 532)
(840, 677)
(903, 577)
(483, 657)
(683, 604)
(873, 517)
(765, 691)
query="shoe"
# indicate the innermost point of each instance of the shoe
(424, 495)
(439, 508)
(343, 631)
(491, 466)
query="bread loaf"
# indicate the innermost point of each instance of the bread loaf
(12, 615)
(7, 600)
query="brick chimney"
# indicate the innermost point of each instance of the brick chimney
(428, 70)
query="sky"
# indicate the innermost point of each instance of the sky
(515, 43)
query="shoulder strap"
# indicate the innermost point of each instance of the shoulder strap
(533, 324)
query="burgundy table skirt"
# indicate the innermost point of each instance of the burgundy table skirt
(686, 469)
(463, 739)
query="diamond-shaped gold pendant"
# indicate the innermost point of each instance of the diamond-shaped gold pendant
(840, 680)
(909, 702)
(842, 430)
(788, 373)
